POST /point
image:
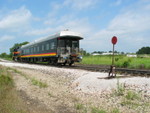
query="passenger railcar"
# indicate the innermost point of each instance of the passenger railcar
(61, 48)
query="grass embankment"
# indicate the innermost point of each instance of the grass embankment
(120, 61)
(9, 99)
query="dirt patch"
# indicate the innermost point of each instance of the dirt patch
(33, 105)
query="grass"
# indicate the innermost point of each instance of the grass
(120, 61)
(115, 110)
(7, 58)
(131, 95)
(38, 83)
(33, 80)
(120, 89)
(10, 102)
(79, 106)
(98, 110)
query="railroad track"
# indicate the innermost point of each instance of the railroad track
(106, 68)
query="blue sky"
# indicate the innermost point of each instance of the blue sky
(97, 20)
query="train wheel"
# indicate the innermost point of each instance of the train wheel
(70, 64)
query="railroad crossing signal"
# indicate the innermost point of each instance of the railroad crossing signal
(114, 41)
(112, 68)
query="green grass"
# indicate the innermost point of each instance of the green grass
(120, 89)
(33, 80)
(38, 83)
(79, 106)
(131, 95)
(10, 102)
(106, 60)
(7, 58)
(120, 61)
(98, 110)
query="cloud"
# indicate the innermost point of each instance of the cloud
(35, 32)
(117, 3)
(15, 19)
(80, 4)
(6, 38)
(131, 26)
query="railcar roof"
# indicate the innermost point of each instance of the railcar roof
(60, 34)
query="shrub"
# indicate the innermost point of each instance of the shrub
(125, 64)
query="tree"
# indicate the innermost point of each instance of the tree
(144, 50)
(17, 45)
(84, 53)
(3, 55)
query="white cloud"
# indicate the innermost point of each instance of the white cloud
(6, 38)
(80, 4)
(15, 19)
(35, 32)
(79, 25)
(131, 26)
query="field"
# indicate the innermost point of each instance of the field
(120, 61)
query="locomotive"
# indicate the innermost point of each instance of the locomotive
(61, 48)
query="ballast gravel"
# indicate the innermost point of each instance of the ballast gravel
(86, 81)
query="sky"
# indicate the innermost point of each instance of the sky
(97, 20)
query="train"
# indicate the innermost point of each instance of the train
(60, 48)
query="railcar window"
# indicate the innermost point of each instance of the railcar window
(38, 48)
(61, 43)
(52, 45)
(47, 46)
(34, 49)
(74, 44)
(42, 47)
(68, 43)
(27, 51)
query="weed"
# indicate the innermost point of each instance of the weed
(120, 89)
(79, 106)
(50, 94)
(97, 110)
(115, 110)
(38, 83)
(131, 95)
(130, 103)
(125, 64)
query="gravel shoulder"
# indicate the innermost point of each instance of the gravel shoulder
(73, 91)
